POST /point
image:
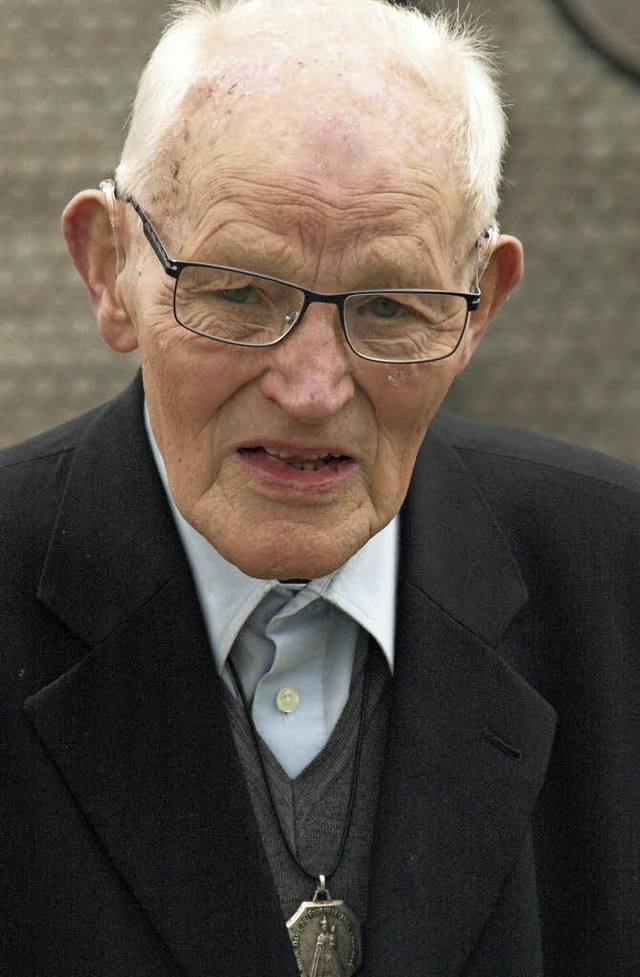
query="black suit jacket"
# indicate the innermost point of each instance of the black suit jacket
(131, 846)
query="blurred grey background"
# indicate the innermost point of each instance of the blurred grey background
(562, 358)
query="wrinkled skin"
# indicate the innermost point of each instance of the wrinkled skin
(318, 194)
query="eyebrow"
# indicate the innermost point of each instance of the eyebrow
(377, 272)
(370, 271)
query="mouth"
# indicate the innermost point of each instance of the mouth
(302, 462)
(294, 472)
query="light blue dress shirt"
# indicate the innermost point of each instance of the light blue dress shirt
(294, 647)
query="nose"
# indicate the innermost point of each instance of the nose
(309, 372)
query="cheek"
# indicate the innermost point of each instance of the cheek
(191, 385)
(406, 401)
(408, 396)
(187, 381)
(166, 384)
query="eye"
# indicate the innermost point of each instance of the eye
(384, 308)
(239, 296)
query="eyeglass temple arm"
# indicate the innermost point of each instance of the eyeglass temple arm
(171, 267)
(108, 187)
(487, 240)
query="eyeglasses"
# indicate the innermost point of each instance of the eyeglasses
(243, 308)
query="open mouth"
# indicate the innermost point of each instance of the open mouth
(309, 463)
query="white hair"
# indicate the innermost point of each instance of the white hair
(450, 58)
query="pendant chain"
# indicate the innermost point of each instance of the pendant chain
(346, 828)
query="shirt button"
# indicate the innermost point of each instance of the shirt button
(287, 700)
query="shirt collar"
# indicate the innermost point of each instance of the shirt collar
(364, 587)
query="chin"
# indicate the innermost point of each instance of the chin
(290, 559)
(285, 545)
(272, 566)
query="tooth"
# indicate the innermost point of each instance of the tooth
(308, 464)
(285, 455)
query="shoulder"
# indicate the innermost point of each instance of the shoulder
(570, 518)
(493, 452)
(51, 444)
(52, 449)
(33, 476)
(34, 473)
(548, 497)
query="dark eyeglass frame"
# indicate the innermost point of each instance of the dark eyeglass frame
(173, 269)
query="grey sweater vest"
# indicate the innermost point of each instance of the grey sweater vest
(313, 808)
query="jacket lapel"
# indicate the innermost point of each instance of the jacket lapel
(469, 738)
(137, 726)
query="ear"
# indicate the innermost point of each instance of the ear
(91, 243)
(503, 272)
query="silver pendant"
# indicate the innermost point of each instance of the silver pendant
(325, 936)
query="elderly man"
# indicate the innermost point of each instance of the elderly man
(283, 659)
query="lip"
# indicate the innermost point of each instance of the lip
(278, 467)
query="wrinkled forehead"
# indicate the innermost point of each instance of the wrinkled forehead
(302, 154)
(339, 123)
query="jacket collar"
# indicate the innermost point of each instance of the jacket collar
(113, 545)
(454, 552)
